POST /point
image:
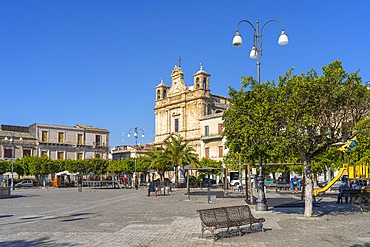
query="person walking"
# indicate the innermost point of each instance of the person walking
(79, 183)
(149, 185)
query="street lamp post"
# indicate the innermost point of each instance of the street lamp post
(256, 53)
(13, 156)
(136, 135)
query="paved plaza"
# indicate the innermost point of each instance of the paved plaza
(128, 217)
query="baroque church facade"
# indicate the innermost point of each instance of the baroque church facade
(191, 112)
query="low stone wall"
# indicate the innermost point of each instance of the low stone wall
(5, 192)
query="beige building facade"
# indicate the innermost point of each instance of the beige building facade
(185, 111)
(212, 142)
(71, 142)
(54, 141)
(16, 139)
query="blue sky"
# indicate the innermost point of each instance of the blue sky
(97, 62)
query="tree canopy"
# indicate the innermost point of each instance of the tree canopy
(301, 116)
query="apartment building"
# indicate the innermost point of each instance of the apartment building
(123, 152)
(17, 139)
(212, 141)
(54, 141)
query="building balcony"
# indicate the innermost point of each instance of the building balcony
(47, 143)
(211, 137)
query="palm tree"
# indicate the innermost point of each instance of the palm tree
(159, 161)
(179, 153)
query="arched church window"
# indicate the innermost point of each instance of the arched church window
(205, 83)
(158, 95)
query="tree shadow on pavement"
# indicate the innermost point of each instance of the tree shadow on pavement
(319, 209)
(34, 243)
(13, 197)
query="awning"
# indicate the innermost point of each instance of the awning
(63, 173)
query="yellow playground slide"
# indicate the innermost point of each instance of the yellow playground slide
(342, 172)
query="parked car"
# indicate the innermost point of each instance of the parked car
(269, 181)
(236, 182)
(322, 184)
(212, 181)
(24, 183)
(335, 186)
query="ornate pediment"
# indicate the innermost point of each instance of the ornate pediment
(178, 85)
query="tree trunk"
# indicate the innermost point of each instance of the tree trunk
(308, 207)
(163, 185)
(176, 176)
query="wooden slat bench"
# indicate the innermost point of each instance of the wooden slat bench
(226, 217)
(282, 186)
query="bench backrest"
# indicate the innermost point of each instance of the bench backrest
(237, 213)
(212, 216)
(223, 215)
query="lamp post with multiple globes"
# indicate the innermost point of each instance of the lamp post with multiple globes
(11, 139)
(136, 135)
(256, 53)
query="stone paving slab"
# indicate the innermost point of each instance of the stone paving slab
(103, 217)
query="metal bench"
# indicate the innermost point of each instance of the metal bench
(226, 217)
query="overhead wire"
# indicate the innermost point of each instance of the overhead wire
(117, 30)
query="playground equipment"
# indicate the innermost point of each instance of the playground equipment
(342, 172)
(352, 172)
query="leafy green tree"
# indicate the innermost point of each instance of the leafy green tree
(250, 122)
(3, 166)
(64, 165)
(37, 166)
(206, 162)
(231, 160)
(141, 164)
(19, 168)
(80, 166)
(319, 111)
(98, 166)
(117, 166)
(54, 166)
(210, 163)
(130, 165)
(361, 151)
(180, 154)
(302, 116)
(330, 159)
